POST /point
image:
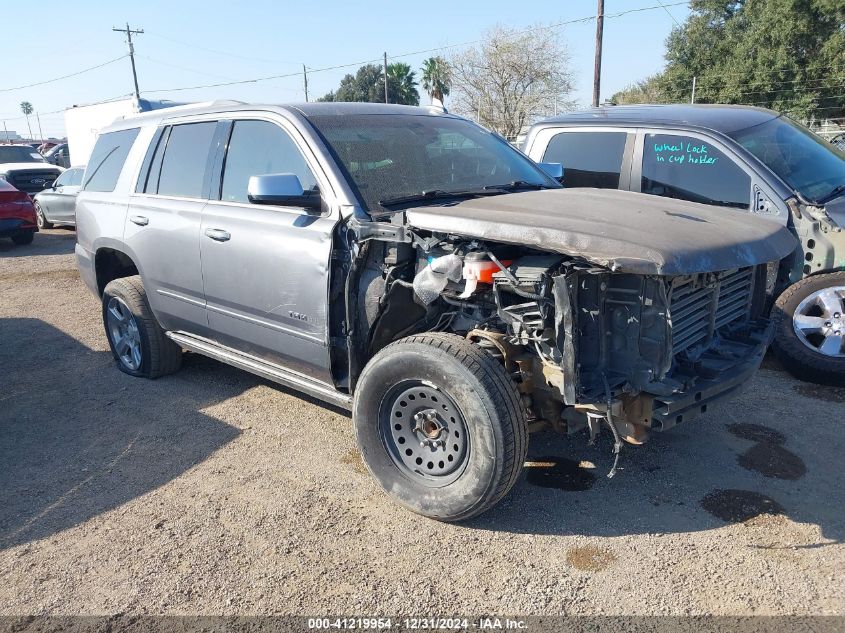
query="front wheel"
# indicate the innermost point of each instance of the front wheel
(137, 341)
(440, 426)
(810, 335)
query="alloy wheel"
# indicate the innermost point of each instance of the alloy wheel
(124, 334)
(819, 321)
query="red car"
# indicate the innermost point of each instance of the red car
(17, 215)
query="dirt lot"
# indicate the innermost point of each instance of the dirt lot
(215, 492)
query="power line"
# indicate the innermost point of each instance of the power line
(190, 70)
(420, 52)
(79, 72)
(129, 33)
(217, 52)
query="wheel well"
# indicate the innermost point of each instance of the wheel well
(111, 264)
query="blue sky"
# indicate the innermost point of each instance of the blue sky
(194, 42)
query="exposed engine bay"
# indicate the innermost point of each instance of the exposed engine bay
(586, 346)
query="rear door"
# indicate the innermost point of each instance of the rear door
(598, 157)
(266, 267)
(163, 222)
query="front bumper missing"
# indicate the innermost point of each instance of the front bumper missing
(668, 411)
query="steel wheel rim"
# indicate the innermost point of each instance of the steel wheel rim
(819, 321)
(424, 432)
(124, 334)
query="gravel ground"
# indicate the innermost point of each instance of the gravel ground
(215, 492)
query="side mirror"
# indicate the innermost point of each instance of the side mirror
(554, 170)
(284, 190)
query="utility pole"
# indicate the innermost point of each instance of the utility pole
(305, 81)
(692, 99)
(6, 130)
(38, 118)
(129, 33)
(597, 69)
(385, 78)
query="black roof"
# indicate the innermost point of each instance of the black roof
(722, 118)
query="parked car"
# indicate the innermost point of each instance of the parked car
(58, 155)
(43, 147)
(25, 169)
(743, 158)
(415, 268)
(17, 215)
(57, 203)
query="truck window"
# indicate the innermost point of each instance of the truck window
(687, 168)
(257, 148)
(184, 162)
(589, 159)
(107, 159)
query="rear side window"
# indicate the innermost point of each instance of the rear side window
(687, 168)
(257, 148)
(589, 159)
(184, 161)
(107, 159)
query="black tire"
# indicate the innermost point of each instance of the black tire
(487, 403)
(798, 358)
(22, 239)
(42, 219)
(159, 355)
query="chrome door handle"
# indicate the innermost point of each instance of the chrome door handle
(218, 235)
(140, 220)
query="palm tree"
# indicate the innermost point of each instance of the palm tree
(26, 108)
(436, 78)
(402, 85)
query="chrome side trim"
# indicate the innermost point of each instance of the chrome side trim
(177, 296)
(286, 377)
(267, 324)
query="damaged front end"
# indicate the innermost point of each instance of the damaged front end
(585, 345)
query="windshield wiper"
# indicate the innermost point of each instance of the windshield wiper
(515, 185)
(833, 194)
(434, 194)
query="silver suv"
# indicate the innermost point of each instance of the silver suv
(413, 267)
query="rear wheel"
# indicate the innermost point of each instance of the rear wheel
(810, 335)
(22, 239)
(440, 426)
(41, 219)
(137, 341)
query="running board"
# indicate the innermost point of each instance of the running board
(315, 388)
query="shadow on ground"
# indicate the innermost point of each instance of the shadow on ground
(58, 241)
(79, 438)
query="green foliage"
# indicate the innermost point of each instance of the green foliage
(437, 78)
(788, 55)
(367, 85)
(26, 108)
(645, 91)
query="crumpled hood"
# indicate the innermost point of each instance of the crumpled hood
(620, 230)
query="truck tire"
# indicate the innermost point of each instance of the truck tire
(440, 426)
(22, 239)
(139, 345)
(810, 329)
(41, 219)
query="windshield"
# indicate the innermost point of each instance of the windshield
(390, 156)
(19, 154)
(804, 161)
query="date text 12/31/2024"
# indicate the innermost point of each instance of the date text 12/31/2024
(689, 154)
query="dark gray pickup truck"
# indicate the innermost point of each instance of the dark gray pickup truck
(413, 267)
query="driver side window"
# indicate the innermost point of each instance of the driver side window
(257, 148)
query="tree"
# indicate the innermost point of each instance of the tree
(645, 91)
(512, 79)
(402, 84)
(27, 109)
(436, 78)
(788, 55)
(367, 85)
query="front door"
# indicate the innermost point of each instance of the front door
(266, 268)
